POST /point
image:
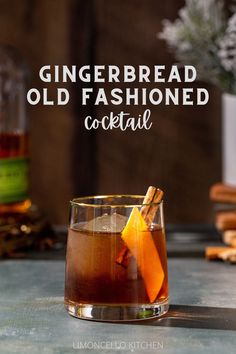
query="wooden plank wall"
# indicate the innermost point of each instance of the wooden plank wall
(181, 153)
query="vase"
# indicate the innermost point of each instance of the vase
(229, 139)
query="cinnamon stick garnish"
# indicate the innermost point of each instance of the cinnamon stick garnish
(148, 211)
(123, 257)
(150, 204)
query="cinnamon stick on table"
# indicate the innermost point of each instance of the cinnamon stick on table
(148, 212)
(226, 220)
(229, 237)
(223, 253)
(223, 193)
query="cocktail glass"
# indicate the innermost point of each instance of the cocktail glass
(99, 283)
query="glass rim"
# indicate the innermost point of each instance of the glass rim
(80, 201)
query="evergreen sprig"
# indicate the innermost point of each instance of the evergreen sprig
(203, 36)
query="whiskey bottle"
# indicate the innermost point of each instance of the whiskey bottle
(14, 139)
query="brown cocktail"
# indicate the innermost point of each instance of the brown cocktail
(116, 266)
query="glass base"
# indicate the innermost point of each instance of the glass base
(116, 313)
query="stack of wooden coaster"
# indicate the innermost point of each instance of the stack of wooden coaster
(224, 198)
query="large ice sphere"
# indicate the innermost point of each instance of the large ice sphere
(107, 223)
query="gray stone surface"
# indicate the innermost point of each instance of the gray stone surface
(201, 319)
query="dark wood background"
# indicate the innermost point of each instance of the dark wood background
(182, 151)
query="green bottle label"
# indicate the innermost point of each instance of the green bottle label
(13, 180)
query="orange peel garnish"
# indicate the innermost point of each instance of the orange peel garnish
(139, 241)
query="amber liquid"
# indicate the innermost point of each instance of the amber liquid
(14, 145)
(94, 277)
